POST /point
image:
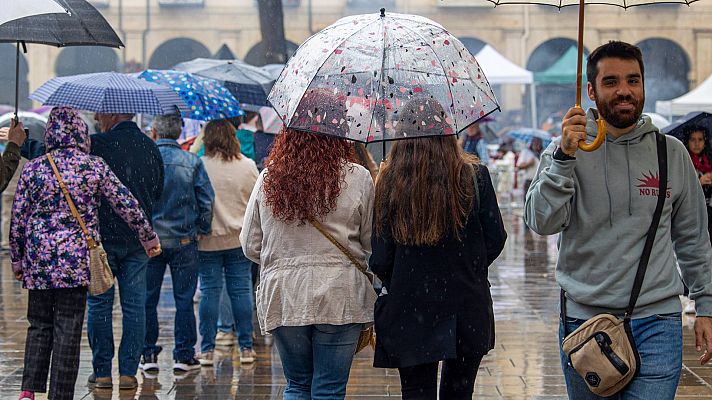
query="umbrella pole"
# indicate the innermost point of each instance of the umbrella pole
(579, 68)
(17, 75)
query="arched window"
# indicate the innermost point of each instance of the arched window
(666, 68)
(176, 51)
(256, 55)
(85, 60)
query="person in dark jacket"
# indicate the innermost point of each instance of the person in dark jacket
(434, 239)
(136, 161)
(184, 211)
(10, 158)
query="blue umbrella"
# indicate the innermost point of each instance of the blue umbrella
(110, 92)
(527, 134)
(207, 98)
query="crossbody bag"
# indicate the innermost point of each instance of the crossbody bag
(602, 349)
(101, 278)
(367, 336)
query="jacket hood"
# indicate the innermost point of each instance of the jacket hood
(66, 130)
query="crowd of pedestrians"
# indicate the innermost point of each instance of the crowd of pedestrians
(343, 246)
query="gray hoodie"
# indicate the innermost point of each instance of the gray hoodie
(602, 203)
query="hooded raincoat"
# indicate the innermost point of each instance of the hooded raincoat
(46, 242)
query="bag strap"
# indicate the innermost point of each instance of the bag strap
(662, 192)
(72, 208)
(343, 249)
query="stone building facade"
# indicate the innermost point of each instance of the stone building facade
(676, 39)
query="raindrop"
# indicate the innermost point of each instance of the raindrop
(390, 80)
(353, 79)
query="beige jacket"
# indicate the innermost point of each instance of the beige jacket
(304, 278)
(232, 182)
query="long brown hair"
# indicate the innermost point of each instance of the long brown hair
(304, 174)
(220, 141)
(425, 190)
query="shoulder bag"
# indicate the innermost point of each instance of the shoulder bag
(367, 336)
(101, 278)
(602, 349)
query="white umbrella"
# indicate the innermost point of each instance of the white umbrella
(25, 8)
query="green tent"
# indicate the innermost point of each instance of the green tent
(563, 71)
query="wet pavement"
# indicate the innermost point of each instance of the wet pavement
(524, 364)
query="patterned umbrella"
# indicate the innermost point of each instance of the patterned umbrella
(248, 83)
(379, 77)
(110, 92)
(207, 98)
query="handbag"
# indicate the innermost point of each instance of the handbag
(101, 278)
(602, 349)
(367, 336)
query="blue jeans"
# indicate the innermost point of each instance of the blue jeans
(183, 262)
(128, 263)
(226, 323)
(659, 342)
(316, 359)
(236, 268)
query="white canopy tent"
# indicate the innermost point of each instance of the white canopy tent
(698, 99)
(499, 70)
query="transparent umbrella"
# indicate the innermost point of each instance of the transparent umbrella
(380, 77)
(625, 4)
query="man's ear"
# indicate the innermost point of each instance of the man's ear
(591, 91)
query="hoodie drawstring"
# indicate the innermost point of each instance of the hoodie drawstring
(630, 184)
(608, 190)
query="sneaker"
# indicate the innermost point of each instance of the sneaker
(206, 358)
(225, 338)
(127, 382)
(149, 362)
(100, 383)
(186, 365)
(690, 307)
(247, 356)
(27, 395)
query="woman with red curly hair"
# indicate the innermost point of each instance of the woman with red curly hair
(311, 297)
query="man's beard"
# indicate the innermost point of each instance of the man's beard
(617, 119)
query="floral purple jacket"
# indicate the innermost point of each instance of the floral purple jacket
(46, 242)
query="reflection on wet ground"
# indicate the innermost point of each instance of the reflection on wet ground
(524, 364)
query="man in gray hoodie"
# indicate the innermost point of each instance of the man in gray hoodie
(602, 204)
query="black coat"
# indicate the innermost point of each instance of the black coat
(438, 304)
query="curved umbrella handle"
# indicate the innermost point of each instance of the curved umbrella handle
(600, 137)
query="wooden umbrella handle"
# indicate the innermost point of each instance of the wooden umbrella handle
(601, 135)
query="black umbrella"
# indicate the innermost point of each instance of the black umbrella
(82, 26)
(698, 119)
(248, 83)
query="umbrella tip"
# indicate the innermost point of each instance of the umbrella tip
(383, 12)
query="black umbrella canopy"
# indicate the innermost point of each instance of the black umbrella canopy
(83, 26)
(696, 119)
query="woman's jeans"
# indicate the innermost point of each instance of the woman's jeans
(56, 317)
(316, 359)
(659, 342)
(236, 270)
(457, 380)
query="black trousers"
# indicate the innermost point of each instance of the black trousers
(457, 380)
(56, 317)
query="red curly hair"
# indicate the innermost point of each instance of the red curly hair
(304, 174)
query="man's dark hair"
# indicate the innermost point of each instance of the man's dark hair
(168, 126)
(612, 49)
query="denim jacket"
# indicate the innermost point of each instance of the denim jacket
(185, 209)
